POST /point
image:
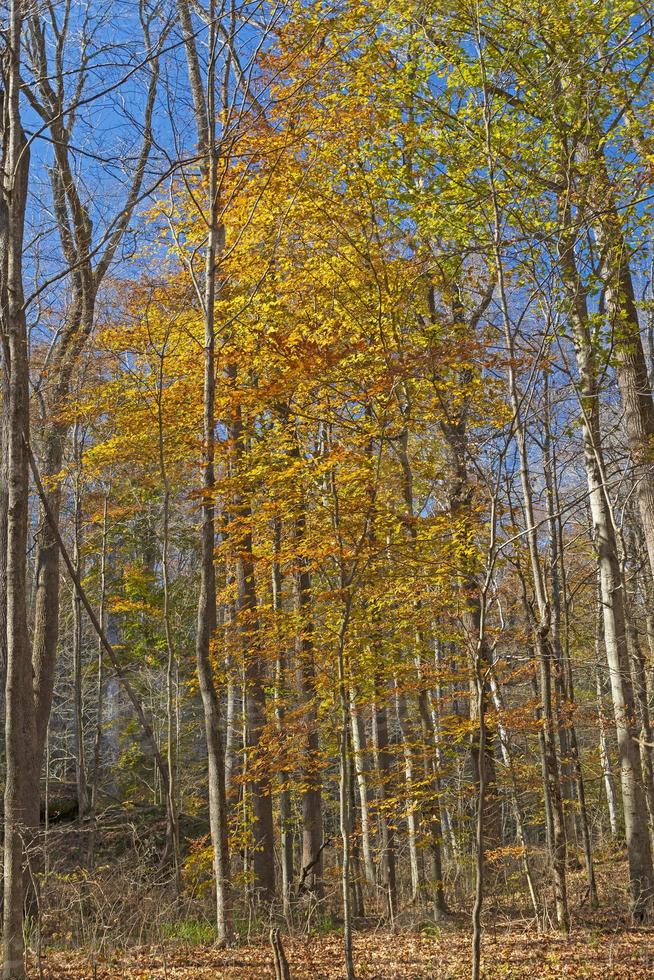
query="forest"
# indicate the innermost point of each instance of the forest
(327, 489)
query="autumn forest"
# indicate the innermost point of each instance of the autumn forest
(327, 489)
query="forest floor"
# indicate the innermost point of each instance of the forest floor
(601, 950)
(602, 944)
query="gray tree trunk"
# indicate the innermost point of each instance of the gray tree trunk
(381, 745)
(21, 804)
(285, 813)
(361, 769)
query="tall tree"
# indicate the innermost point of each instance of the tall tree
(23, 770)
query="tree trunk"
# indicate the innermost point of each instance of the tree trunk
(311, 794)
(172, 829)
(408, 740)
(605, 757)
(207, 619)
(78, 694)
(361, 769)
(480, 862)
(433, 809)
(263, 856)
(345, 806)
(99, 721)
(231, 714)
(381, 746)
(22, 770)
(630, 363)
(642, 715)
(641, 873)
(285, 815)
(4, 517)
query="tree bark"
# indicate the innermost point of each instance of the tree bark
(605, 756)
(408, 742)
(345, 807)
(99, 720)
(630, 362)
(78, 694)
(285, 815)
(22, 769)
(361, 770)
(381, 745)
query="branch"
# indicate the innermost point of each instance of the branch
(308, 867)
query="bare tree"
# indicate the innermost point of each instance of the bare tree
(87, 260)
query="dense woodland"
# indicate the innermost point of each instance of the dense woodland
(326, 485)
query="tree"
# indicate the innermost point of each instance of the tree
(22, 775)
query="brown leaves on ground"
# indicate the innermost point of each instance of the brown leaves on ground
(621, 954)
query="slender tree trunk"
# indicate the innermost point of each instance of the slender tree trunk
(231, 714)
(78, 694)
(285, 814)
(207, 620)
(381, 747)
(205, 631)
(99, 721)
(172, 830)
(563, 708)
(605, 755)
(4, 518)
(21, 804)
(206, 113)
(345, 805)
(434, 709)
(642, 716)
(356, 876)
(263, 856)
(311, 795)
(361, 769)
(433, 809)
(408, 739)
(480, 862)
